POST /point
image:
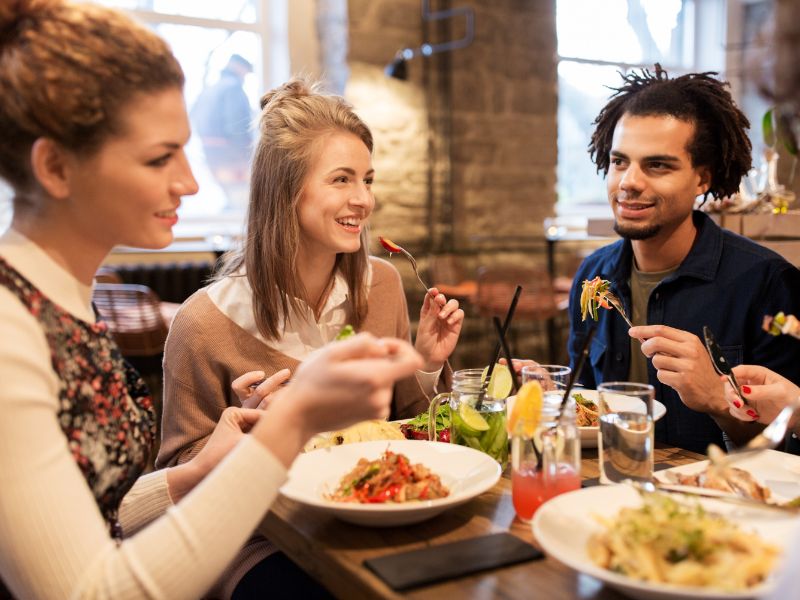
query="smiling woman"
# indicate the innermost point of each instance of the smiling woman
(94, 127)
(302, 275)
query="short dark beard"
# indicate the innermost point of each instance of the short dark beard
(635, 233)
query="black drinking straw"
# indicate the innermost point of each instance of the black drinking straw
(497, 348)
(501, 334)
(573, 377)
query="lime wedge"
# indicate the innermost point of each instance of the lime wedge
(469, 421)
(500, 383)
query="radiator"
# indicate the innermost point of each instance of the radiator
(172, 282)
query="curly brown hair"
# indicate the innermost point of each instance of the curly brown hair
(720, 141)
(66, 72)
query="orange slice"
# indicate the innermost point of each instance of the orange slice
(527, 410)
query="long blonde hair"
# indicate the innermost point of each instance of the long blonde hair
(293, 117)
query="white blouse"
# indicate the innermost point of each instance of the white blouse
(303, 333)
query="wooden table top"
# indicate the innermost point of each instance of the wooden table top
(333, 551)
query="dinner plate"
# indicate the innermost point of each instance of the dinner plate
(618, 402)
(778, 471)
(466, 472)
(563, 526)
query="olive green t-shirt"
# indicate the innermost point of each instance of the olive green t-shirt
(642, 284)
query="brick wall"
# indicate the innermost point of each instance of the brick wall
(466, 147)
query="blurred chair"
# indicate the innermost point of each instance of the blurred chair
(106, 274)
(539, 301)
(447, 275)
(134, 317)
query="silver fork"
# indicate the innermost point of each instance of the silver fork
(652, 487)
(390, 247)
(770, 437)
(617, 304)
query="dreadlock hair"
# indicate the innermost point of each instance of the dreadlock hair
(720, 141)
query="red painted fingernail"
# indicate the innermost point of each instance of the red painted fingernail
(752, 413)
(737, 404)
(746, 389)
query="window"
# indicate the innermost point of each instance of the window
(230, 52)
(617, 36)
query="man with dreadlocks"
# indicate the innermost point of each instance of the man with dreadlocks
(663, 142)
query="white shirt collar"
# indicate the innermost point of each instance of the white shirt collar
(53, 280)
(233, 296)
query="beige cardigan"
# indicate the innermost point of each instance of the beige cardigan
(206, 351)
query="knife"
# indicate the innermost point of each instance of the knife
(721, 364)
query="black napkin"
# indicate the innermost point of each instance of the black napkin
(448, 561)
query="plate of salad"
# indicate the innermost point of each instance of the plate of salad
(417, 428)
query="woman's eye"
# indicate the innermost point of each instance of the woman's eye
(341, 179)
(369, 180)
(160, 161)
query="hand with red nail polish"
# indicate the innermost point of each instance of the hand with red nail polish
(766, 393)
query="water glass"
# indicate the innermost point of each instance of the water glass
(626, 433)
(548, 463)
(477, 421)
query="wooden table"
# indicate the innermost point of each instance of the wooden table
(333, 551)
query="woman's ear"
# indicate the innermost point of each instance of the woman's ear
(49, 164)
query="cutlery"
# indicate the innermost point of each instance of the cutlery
(721, 364)
(614, 301)
(772, 436)
(393, 248)
(651, 487)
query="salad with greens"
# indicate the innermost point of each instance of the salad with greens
(417, 428)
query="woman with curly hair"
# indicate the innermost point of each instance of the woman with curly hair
(92, 130)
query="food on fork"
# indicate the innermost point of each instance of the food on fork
(782, 324)
(365, 431)
(594, 294)
(390, 478)
(667, 541)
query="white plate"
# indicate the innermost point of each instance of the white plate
(465, 471)
(778, 471)
(619, 402)
(563, 525)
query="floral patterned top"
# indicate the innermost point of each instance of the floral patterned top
(106, 411)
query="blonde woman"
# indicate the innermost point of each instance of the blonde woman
(302, 275)
(93, 127)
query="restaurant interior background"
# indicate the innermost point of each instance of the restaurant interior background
(481, 164)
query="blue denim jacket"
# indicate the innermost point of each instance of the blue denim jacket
(726, 282)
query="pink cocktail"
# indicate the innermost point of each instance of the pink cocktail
(530, 488)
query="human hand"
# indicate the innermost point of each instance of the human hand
(233, 424)
(519, 363)
(346, 382)
(440, 322)
(682, 362)
(258, 396)
(766, 392)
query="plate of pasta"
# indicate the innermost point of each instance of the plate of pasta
(586, 416)
(663, 546)
(389, 483)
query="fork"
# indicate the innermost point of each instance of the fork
(772, 435)
(614, 301)
(652, 487)
(393, 248)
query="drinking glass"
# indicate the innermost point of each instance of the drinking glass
(475, 421)
(625, 438)
(548, 463)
